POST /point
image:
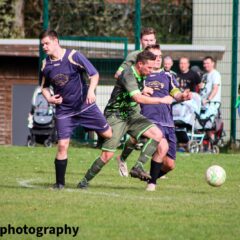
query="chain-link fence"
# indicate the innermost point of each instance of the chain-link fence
(192, 28)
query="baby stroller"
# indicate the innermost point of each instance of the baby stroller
(41, 121)
(185, 116)
(210, 119)
(192, 121)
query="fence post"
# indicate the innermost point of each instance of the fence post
(234, 68)
(137, 23)
(45, 26)
(45, 14)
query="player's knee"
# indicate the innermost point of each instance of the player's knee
(62, 147)
(106, 156)
(154, 133)
(170, 165)
(107, 134)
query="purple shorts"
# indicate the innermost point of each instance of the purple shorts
(169, 134)
(89, 118)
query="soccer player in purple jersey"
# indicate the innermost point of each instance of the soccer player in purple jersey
(159, 84)
(66, 70)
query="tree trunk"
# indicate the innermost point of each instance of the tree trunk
(18, 26)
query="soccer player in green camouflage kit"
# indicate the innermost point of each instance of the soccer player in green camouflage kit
(162, 84)
(123, 115)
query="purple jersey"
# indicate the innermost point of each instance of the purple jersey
(67, 77)
(163, 85)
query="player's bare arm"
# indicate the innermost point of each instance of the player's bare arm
(55, 99)
(139, 98)
(91, 96)
(147, 91)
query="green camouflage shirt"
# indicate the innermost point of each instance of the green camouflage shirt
(121, 103)
(130, 60)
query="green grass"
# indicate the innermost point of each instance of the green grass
(183, 207)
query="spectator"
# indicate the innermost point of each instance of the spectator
(148, 37)
(187, 78)
(167, 65)
(210, 91)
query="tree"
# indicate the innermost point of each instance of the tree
(24, 18)
(6, 18)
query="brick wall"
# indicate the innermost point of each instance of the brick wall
(13, 70)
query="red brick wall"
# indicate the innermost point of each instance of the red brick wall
(13, 70)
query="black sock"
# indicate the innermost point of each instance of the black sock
(60, 168)
(154, 171)
(161, 173)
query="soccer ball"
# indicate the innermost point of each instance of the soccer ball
(215, 176)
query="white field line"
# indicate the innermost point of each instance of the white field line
(29, 183)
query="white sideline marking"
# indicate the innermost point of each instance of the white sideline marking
(28, 183)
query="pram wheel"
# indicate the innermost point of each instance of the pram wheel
(221, 143)
(193, 146)
(31, 143)
(48, 143)
(215, 149)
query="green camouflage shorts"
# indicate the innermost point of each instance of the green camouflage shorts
(135, 126)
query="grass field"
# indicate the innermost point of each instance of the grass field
(183, 207)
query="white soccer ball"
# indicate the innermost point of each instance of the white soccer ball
(215, 176)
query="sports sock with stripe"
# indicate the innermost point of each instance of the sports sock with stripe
(94, 169)
(147, 151)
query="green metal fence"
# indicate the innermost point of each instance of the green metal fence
(193, 28)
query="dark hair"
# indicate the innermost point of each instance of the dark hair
(209, 57)
(144, 56)
(153, 46)
(48, 33)
(147, 31)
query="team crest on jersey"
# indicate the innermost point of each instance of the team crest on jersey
(155, 85)
(60, 80)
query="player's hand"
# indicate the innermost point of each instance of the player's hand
(187, 95)
(204, 102)
(117, 74)
(56, 99)
(91, 97)
(166, 100)
(147, 91)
